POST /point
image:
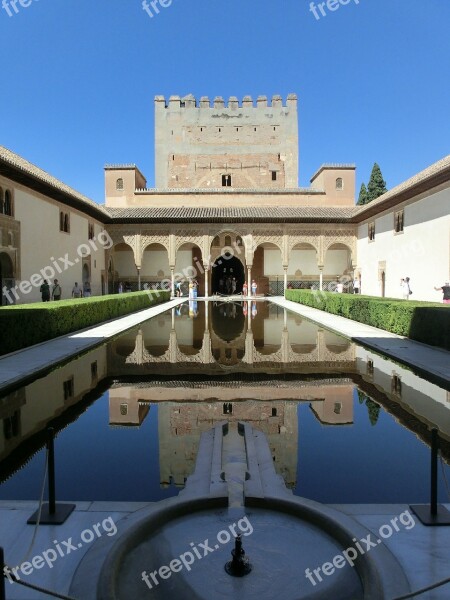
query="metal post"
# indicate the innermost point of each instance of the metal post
(2, 578)
(51, 513)
(51, 471)
(433, 514)
(434, 470)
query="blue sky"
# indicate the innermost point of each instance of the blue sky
(78, 79)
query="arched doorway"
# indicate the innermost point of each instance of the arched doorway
(224, 269)
(6, 277)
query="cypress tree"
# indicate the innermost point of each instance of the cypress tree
(377, 185)
(362, 195)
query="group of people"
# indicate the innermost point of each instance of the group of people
(54, 292)
(124, 287)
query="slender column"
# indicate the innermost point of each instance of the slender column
(172, 279)
(285, 279)
(139, 278)
(206, 315)
(173, 318)
(321, 278)
(249, 271)
(206, 281)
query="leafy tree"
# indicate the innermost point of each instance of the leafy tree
(362, 194)
(377, 185)
(374, 411)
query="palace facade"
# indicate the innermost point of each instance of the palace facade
(227, 204)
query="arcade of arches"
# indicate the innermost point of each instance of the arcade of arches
(294, 256)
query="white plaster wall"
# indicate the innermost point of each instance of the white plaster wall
(124, 264)
(154, 261)
(336, 262)
(272, 332)
(41, 240)
(305, 260)
(184, 261)
(272, 262)
(421, 252)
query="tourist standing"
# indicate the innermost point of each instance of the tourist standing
(356, 285)
(86, 289)
(56, 290)
(233, 285)
(245, 288)
(45, 291)
(339, 287)
(120, 288)
(446, 291)
(254, 288)
(77, 292)
(406, 290)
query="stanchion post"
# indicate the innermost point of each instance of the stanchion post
(51, 513)
(433, 514)
(2, 576)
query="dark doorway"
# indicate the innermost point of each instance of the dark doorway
(224, 270)
(6, 278)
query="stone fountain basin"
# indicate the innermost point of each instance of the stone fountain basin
(288, 537)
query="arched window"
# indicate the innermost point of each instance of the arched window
(227, 240)
(66, 223)
(239, 241)
(1, 201)
(339, 183)
(119, 184)
(216, 242)
(8, 203)
(61, 221)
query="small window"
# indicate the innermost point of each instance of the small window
(371, 232)
(68, 388)
(64, 222)
(274, 175)
(124, 409)
(227, 240)
(227, 408)
(239, 241)
(254, 128)
(90, 231)
(399, 221)
(396, 385)
(8, 204)
(216, 242)
(119, 184)
(173, 156)
(274, 412)
(94, 371)
(201, 128)
(220, 129)
(1, 201)
(226, 180)
(337, 408)
(339, 184)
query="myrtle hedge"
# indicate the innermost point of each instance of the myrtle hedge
(26, 324)
(426, 322)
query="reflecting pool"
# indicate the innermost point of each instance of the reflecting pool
(344, 424)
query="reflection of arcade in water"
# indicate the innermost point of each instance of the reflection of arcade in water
(242, 336)
(202, 367)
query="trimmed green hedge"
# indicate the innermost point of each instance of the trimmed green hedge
(24, 325)
(426, 322)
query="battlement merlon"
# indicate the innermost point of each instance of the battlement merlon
(189, 101)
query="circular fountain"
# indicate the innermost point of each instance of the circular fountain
(297, 548)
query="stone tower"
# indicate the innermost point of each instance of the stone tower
(199, 145)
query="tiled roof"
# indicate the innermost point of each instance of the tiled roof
(17, 168)
(333, 166)
(432, 176)
(180, 214)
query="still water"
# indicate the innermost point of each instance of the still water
(343, 423)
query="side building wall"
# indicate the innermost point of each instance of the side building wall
(421, 251)
(48, 252)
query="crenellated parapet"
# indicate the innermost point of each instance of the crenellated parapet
(233, 103)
